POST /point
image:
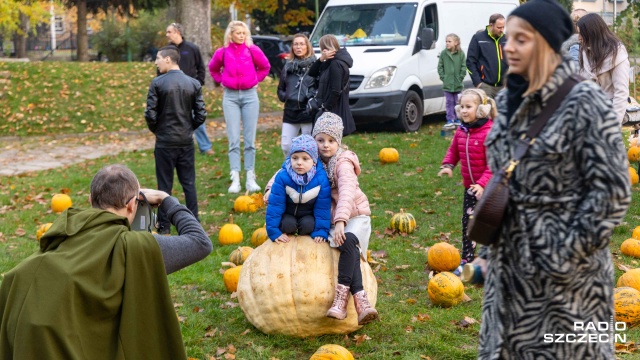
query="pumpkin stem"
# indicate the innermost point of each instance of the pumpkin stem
(228, 263)
(230, 218)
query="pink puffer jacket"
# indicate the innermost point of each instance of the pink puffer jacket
(347, 199)
(243, 68)
(469, 150)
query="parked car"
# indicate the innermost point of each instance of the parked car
(276, 49)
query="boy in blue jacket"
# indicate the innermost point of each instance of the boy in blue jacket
(300, 199)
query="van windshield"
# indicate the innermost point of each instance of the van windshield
(366, 25)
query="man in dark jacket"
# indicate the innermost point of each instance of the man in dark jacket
(174, 109)
(191, 64)
(486, 63)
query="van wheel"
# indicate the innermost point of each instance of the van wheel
(410, 118)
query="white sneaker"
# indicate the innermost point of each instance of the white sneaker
(251, 184)
(235, 182)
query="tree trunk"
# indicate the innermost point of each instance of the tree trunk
(21, 39)
(82, 38)
(195, 16)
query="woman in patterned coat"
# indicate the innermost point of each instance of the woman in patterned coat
(551, 266)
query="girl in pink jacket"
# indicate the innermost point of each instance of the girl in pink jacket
(239, 66)
(475, 110)
(350, 217)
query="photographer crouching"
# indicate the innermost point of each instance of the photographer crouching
(96, 289)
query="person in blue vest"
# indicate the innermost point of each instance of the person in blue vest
(300, 198)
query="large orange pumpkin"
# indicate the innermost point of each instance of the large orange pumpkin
(631, 247)
(287, 289)
(445, 289)
(230, 233)
(443, 257)
(630, 279)
(60, 203)
(626, 302)
(331, 352)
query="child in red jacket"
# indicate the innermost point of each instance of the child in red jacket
(475, 110)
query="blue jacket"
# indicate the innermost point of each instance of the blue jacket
(287, 197)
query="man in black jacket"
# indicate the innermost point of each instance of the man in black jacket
(191, 64)
(174, 109)
(486, 63)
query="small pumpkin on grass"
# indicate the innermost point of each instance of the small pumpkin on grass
(245, 203)
(631, 247)
(636, 233)
(626, 301)
(633, 174)
(258, 200)
(231, 277)
(42, 229)
(443, 257)
(230, 233)
(446, 290)
(239, 255)
(633, 154)
(259, 236)
(403, 222)
(389, 155)
(331, 352)
(630, 279)
(60, 203)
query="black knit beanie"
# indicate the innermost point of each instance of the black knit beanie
(548, 18)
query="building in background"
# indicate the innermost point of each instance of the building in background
(603, 7)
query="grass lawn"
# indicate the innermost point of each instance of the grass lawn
(409, 327)
(43, 98)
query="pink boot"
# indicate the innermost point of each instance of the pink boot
(339, 308)
(366, 313)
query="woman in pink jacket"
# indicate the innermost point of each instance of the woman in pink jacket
(475, 110)
(350, 217)
(239, 66)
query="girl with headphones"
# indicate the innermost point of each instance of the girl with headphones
(475, 110)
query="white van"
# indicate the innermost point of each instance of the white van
(395, 47)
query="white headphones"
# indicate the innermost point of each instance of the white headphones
(483, 109)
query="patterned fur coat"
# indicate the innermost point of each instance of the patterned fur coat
(551, 266)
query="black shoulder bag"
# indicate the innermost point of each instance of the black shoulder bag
(487, 218)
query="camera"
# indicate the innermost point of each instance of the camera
(146, 218)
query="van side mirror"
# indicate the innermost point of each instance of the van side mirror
(427, 38)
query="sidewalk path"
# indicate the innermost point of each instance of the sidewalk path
(35, 153)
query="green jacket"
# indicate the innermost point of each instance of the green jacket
(452, 69)
(94, 290)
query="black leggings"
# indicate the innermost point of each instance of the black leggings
(349, 273)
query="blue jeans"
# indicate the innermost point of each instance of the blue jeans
(241, 105)
(204, 144)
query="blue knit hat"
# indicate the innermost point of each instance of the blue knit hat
(305, 143)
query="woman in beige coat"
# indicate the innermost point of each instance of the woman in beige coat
(604, 59)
